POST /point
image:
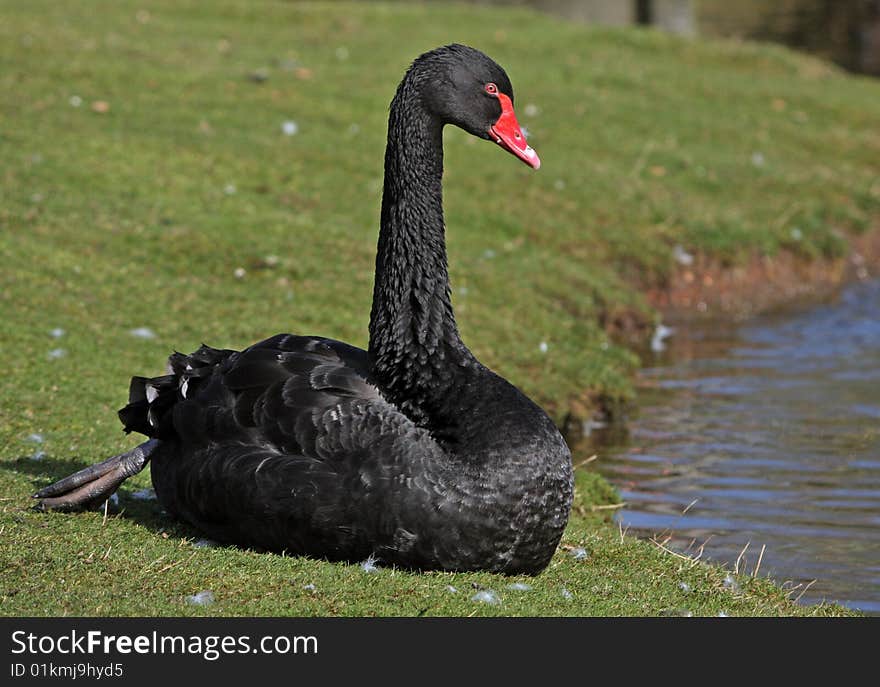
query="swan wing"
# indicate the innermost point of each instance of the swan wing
(286, 444)
(299, 395)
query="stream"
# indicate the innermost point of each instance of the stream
(760, 441)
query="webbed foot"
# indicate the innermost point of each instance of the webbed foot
(93, 485)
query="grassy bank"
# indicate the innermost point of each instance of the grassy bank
(148, 182)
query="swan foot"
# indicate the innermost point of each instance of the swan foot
(93, 485)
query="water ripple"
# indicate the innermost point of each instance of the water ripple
(767, 433)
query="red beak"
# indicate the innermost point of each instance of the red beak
(506, 133)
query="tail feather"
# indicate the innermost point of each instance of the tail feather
(134, 415)
(151, 400)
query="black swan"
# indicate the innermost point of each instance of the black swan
(412, 452)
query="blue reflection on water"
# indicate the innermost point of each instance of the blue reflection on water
(769, 432)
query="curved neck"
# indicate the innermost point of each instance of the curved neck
(414, 341)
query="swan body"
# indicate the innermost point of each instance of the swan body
(412, 452)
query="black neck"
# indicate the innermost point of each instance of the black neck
(414, 342)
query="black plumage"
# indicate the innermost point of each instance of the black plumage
(413, 451)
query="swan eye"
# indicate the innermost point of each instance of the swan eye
(491, 89)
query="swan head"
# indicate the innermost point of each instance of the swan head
(462, 86)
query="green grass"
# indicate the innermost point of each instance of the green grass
(142, 563)
(140, 216)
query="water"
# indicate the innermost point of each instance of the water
(766, 433)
